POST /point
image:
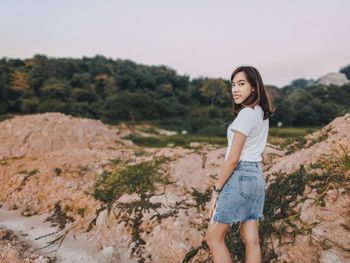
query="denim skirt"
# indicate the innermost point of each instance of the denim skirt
(243, 195)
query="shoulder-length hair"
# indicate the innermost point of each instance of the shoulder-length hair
(260, 97)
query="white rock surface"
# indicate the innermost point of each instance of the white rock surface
(333, 78)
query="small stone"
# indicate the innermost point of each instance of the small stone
(330, 255)
(102, 218)
(28, 212)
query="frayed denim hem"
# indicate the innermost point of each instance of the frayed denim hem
(259, 218)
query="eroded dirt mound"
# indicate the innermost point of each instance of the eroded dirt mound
(48, 132)
(150, 204)
(64, 166)
(310, 148)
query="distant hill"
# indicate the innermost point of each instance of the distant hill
(122, 90)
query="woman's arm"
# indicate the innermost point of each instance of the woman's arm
(228, 166)
(232, 159)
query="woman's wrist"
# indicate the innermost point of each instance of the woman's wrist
(215, 194)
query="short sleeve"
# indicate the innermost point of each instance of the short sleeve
(244, 122)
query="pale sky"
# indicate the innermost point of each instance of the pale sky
(285, 40)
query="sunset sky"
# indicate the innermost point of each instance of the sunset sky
(285, 40)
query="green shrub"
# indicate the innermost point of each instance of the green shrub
(136, 178)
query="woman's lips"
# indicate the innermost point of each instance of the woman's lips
(236, 97)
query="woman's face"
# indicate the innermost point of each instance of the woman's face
(241, 89)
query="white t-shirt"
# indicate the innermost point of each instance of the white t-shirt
(250, 122)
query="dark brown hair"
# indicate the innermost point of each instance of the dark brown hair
(260, 97)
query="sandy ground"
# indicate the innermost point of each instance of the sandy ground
(74, 249)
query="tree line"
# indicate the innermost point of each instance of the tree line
(115, 90)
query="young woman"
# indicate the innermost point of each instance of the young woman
(239, 193)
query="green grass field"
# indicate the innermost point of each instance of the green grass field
(278, 136)
(176, 140)
(286, 135)
(291, 131)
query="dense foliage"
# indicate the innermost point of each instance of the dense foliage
(121, 90)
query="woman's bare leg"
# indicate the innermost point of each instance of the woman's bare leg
(250, 237)
(215, 237)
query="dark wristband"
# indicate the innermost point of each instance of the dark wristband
(215, 189)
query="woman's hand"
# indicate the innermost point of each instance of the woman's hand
(212, 205)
